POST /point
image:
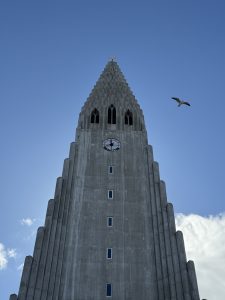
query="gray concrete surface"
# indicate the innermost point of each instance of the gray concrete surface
(69, 260)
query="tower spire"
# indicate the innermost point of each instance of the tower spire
(112, 58)
(112, 89)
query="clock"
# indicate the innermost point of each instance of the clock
(111, 145)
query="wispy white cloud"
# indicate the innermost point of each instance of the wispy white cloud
(205, 244)
(3, 257)
(11, 253)
(5, 254)
(27, 221)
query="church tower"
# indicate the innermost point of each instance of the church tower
(109, 231)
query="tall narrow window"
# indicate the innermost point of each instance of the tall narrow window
(109, 221)
(109, 253)
(112, 114)
(110, 170)
(109, 290)
(129, 117)
(95, 116)
(110, 194)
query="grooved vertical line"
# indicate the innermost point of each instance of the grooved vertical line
(56, 285)
(48, 243)
(67, 289)
(63, 268)
(167, 242)
(157, 225)
(75, 236)
(124, 197)
(193, 280)
(149, 228)
(167, 295)
(183, 265)
(25, 278)
(36, 258)
(176, 265)
(50, 272)
(53, 245)
(155, 232)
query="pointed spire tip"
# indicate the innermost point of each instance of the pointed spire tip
(112, 58)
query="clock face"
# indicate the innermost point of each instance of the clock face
(111, 145)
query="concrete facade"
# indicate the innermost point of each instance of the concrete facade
(147, 259)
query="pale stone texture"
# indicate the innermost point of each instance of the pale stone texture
(69, 260)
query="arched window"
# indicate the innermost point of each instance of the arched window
(129, 118)
(95, 116)
(112, 115)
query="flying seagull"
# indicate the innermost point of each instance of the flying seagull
(180, 102)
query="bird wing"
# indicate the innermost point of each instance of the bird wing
(186, 103)
(177, 99)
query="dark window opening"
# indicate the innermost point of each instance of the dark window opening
(95, 116)
(128, 118)
(108, 289)
(110, 221)
(110, 169)
(109, 253)
(112, 115)
(110, 194)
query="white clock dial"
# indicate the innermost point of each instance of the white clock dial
(111, 145)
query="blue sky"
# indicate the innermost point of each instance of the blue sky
(52, 53)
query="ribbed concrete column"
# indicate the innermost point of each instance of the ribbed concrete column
(54, 288)
(58, 187)
(167, 241)
(176, 264)
(149, 223)
(153, 218)
(156, 233)
(48, 242)
(36, 258)
(49, 213)
(163, 196)
(53, 240)
(193, 280)
(38, 248)
(60, 233)
(66, 166)
(25, 278)
(183, 266)
(161, 232)
(72, 219)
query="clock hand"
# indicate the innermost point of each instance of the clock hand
(111, 144)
